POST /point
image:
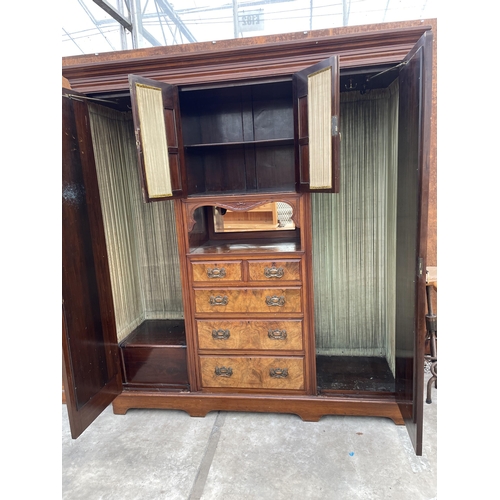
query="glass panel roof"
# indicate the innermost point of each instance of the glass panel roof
(96, 26)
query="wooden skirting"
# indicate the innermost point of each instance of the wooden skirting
(308, 408)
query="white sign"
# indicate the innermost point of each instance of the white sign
(251, 20)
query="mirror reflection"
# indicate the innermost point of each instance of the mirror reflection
(276, 216)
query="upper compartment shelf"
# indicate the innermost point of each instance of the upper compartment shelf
(237, 115)
(264, 142)
(239, 139)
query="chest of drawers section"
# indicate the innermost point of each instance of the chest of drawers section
(249, 322)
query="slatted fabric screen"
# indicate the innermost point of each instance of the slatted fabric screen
(140, 237)
(320, 128)
(154, 142)
(354, 234)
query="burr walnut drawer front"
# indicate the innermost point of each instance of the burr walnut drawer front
(216, 271)
(252, 372)
(251, 300)
(251, 334)
(275, 270)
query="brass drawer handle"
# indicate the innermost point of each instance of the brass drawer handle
(219, 300)
(222, 371)
(275, 301)
(277, 334)
(220, 334)
(274, 272)
(278, 372)
(216, 272)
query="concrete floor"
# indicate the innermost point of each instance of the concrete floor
(168, 455)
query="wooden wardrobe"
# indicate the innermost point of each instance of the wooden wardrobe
(245, 225)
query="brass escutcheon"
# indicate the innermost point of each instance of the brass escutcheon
(222, 371)
(219, 300)
(278, 372)
(274, 272)
(220, 334)
(216, 272)
(275, 301)
(277, 334)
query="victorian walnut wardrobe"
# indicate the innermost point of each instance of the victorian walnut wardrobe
(245, 225)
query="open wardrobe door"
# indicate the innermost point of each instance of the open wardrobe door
(91, 369)
(415, 79)
(317, 136)
(158, 134)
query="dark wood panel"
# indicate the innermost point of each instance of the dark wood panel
(195, 171)
(250, 168)
(91, 371)
(229, 134)
(413, 188)
(272, 106)
(164, 366)
(198, 235)
(155, 354)
(224, 170)
(275, 168)
(80, 284)
(235, 168)
(407, 249)
(217, 115)
(157, 332)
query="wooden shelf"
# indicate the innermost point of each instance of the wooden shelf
(157, 332)
(265, 142)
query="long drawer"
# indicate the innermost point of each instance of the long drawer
(252, 372)
(251, 334)
(252, 300)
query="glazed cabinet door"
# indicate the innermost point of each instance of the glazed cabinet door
(316, 116)
(91, 369)
(413, 192)
(158, 134)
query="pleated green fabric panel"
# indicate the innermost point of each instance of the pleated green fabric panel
(140, 237)
(354, 233)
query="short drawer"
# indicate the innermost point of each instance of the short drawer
(265, 270)
(216, 271)
(252, 372)
(253, 300)
(252, 334)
